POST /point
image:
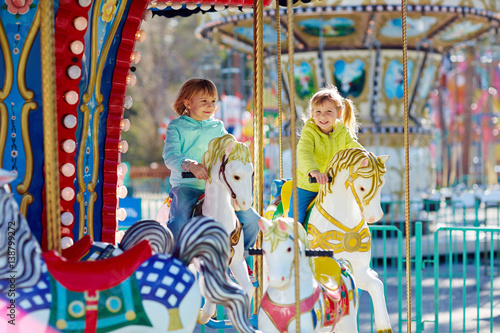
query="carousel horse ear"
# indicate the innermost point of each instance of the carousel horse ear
(364, 162)
(383, 158)
(248, 143)
(229, 148)
(7, 176)
(264, 224)
(282, 225)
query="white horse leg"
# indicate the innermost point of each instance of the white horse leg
(367, 279)
(240, 272)
(206, 312)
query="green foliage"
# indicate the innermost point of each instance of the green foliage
(168, 57)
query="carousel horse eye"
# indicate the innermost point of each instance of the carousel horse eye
(289, 249)
(236, 177)
(362, 189)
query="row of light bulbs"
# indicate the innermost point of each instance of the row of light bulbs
(69, 121)
(131, 80)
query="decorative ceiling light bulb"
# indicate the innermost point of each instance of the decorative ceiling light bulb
(66, 242)
(69, 121)
(205, 6)
(67, 218)
(80, 23)
(191, 5)
(67, 193)
(176, 5)
(122, 169)
(121, 192)
(131, 80)
(140, 36)
(69, 146)
(161, 5)
(74, 72)
(123, 146)
(125, 124)
(71, 97)
(76, 47)
(128, 102)
(84, 3)
(135, 57)
(68, 169)
(121, 214)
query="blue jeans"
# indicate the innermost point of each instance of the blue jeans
(183, 200)
(304, 200)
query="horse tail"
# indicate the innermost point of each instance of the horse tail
(27, 260)
(203, 238)
(159, 237)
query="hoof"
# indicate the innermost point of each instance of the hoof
(386, 330)
(203, 318)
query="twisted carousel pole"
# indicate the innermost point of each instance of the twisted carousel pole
(53, 231)
(258, 114)
(407, 169)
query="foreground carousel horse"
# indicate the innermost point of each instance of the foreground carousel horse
(339, 218)
(228, 188)
(135, 291)
(329, 298)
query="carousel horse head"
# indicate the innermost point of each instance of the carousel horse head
(360, 174)
(229, 162)
(328, 298)
(277, 248)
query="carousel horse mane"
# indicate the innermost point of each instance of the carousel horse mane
(350, 157)
(275, 235)
(217, 150)
(17, 236)
(159, 237)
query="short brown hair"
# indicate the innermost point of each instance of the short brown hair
(190, 88)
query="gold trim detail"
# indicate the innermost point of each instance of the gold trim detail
(9, 67)
(94, 88)
(23, 187)
(174, 320)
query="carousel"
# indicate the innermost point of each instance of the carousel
(65, 70)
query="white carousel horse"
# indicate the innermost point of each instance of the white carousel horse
(329, 299)
(127, 293)
(228, 188)
(339, 218)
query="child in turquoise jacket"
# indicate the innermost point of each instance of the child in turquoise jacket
(186, 141)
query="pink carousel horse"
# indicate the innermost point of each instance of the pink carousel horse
(228, 188)
(328, 298)
(134, 291)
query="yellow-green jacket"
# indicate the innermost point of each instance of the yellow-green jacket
(316, 149)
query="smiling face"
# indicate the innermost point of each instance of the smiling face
(326, 114)
(201, 106)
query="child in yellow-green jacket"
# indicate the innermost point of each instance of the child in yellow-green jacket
(331, 127)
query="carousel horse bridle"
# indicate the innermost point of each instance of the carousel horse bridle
(351, 239)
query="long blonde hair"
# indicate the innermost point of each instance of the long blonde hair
(331, 93)
(190, 88)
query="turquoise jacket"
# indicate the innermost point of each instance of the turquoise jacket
(316, 149)
(187, 139)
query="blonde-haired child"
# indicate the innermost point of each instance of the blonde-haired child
(186, 141)
(331, 127)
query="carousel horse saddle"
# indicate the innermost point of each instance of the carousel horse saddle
(78, 250)
(286, 195)
(104, 274)
(327, 271)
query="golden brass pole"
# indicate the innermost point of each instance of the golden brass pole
(258, 113)
(50, 126)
